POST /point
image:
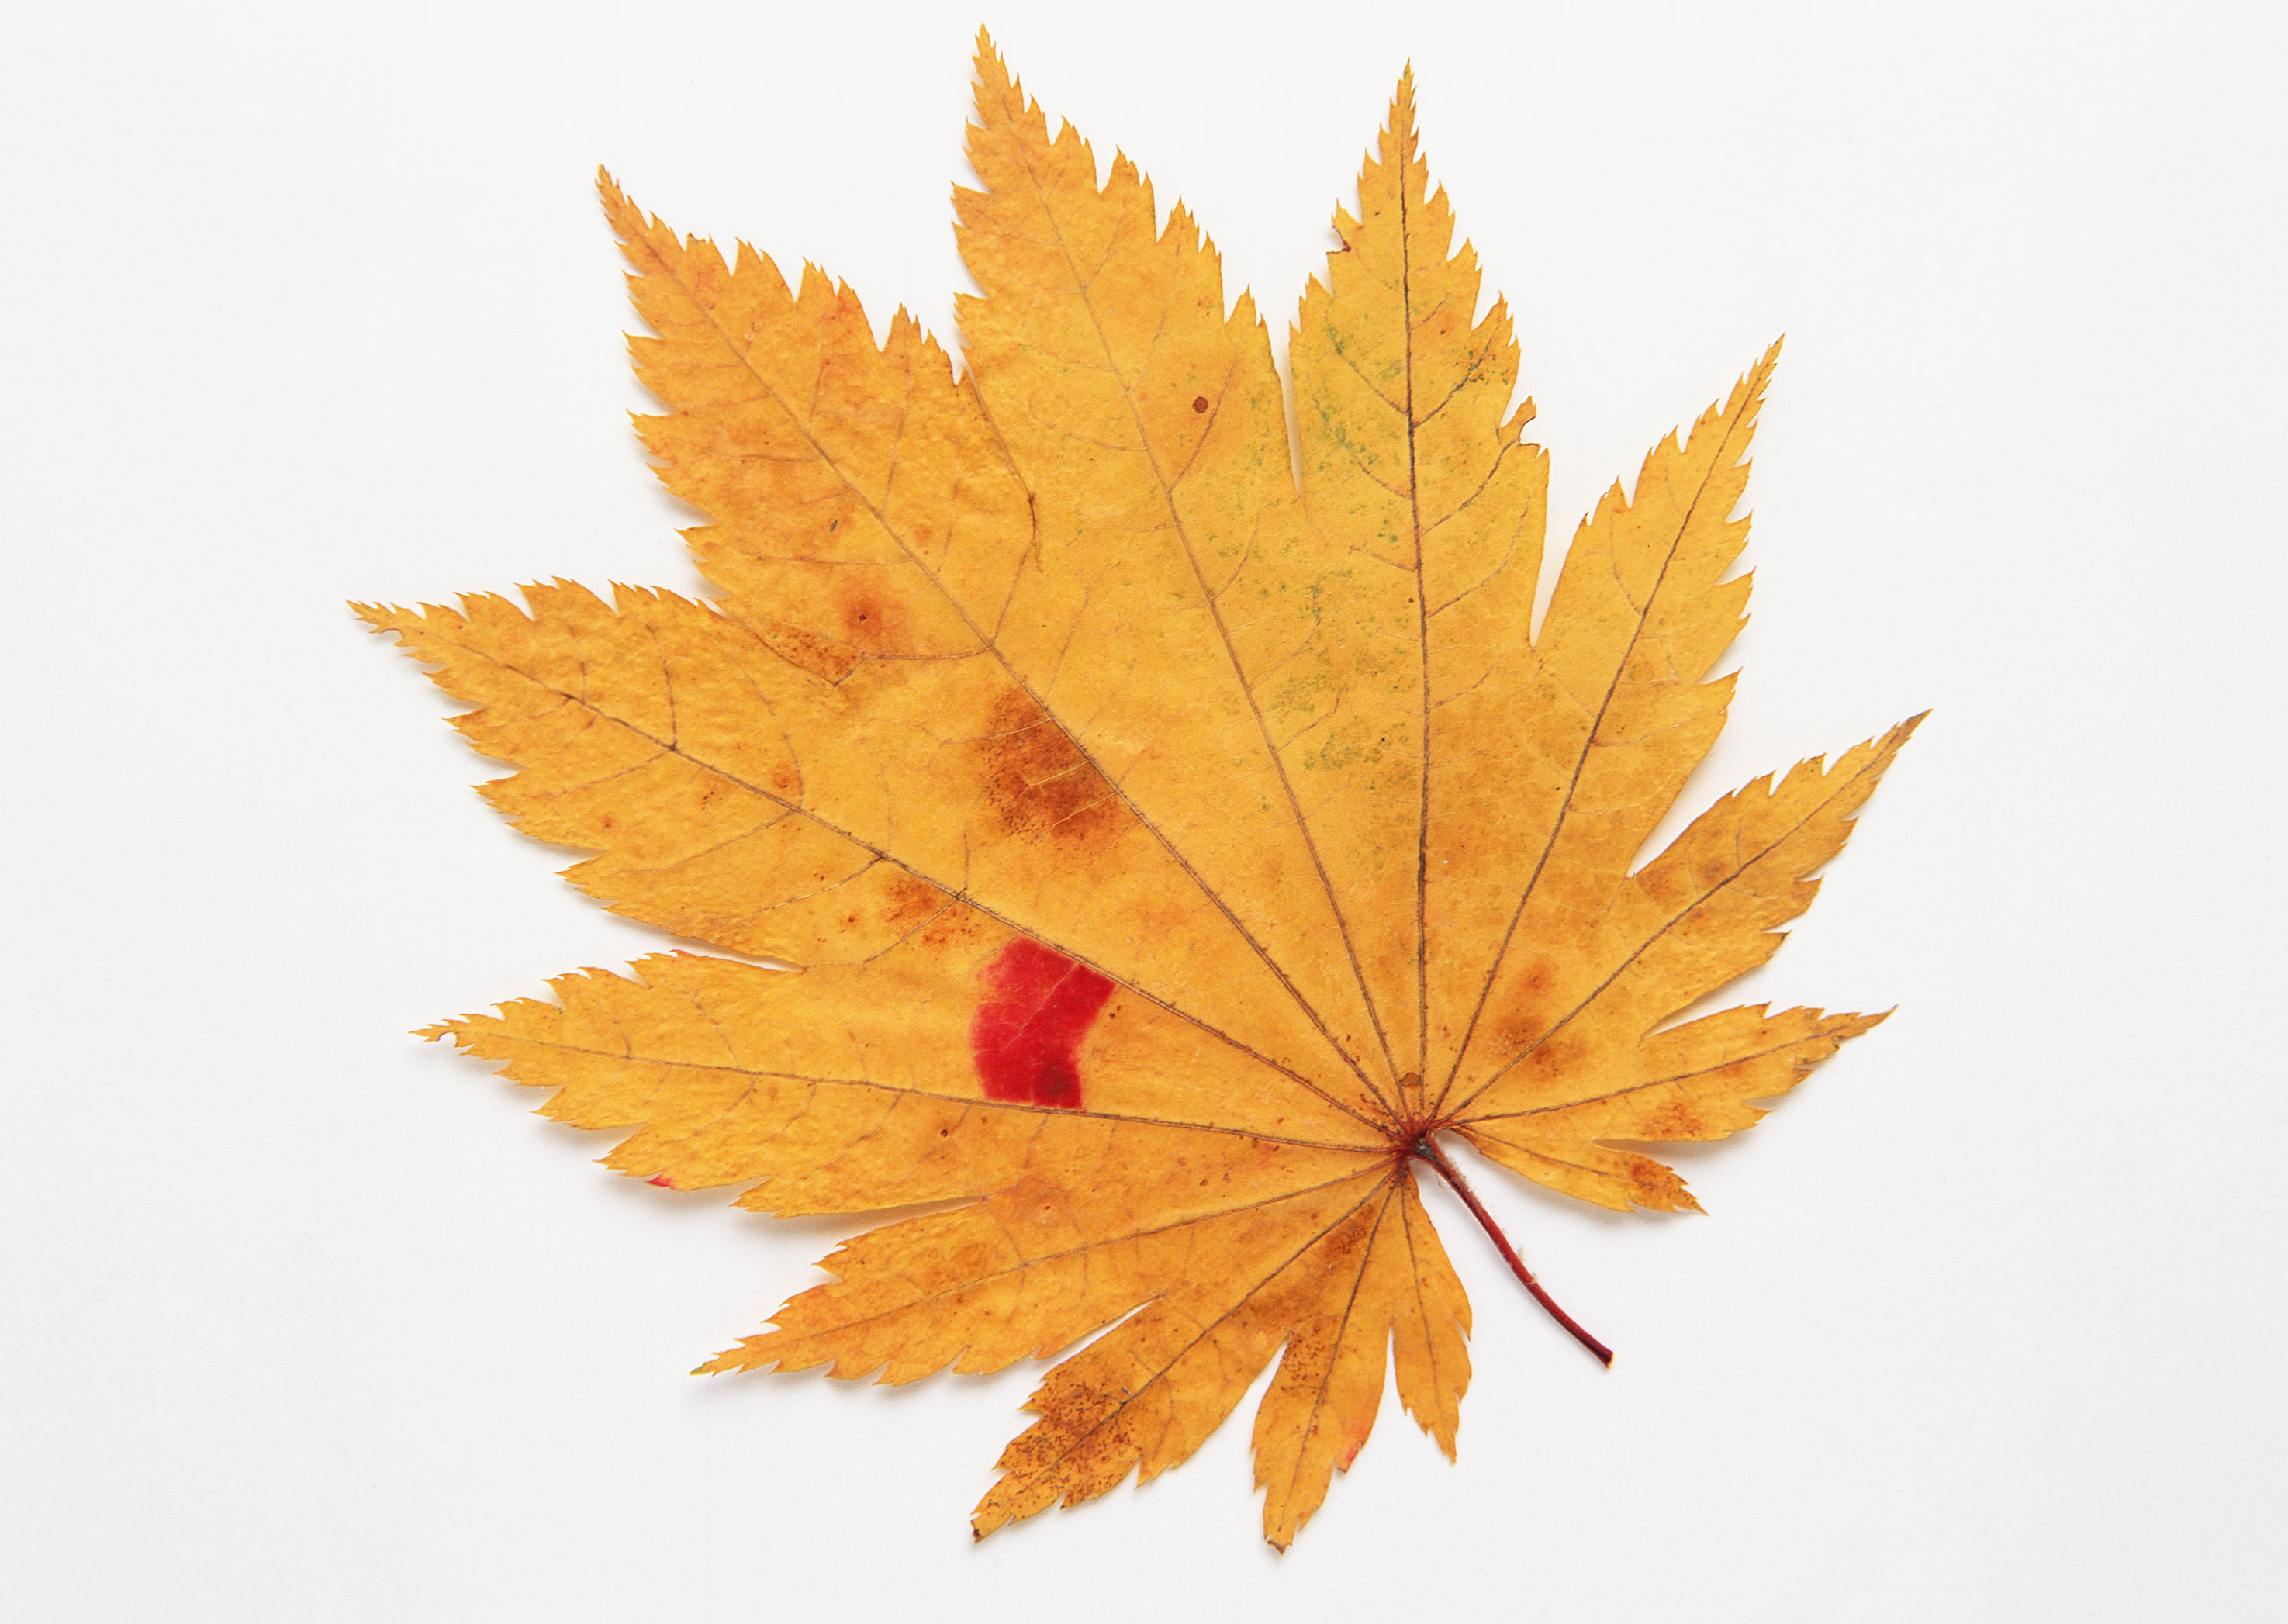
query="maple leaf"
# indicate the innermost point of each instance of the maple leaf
(1175, 844)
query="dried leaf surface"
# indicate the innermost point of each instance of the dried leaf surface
(1175, 844)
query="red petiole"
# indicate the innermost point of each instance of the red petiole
(1427, 1150)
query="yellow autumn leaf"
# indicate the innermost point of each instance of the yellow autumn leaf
(1176, 843)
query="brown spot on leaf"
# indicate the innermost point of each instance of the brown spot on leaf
(1199, 403)
(1669, 1123)
(820, 656)
(1039, 785)
(1513, 1033)
(868, 619)
(956, 927)
(911, 899)
(1554, 1058)
(1528, 1012)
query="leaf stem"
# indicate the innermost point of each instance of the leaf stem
(1427, 1150)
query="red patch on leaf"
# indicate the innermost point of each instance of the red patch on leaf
(1027, 1035)
(663, 1181)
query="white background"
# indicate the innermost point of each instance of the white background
(307, 1320)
